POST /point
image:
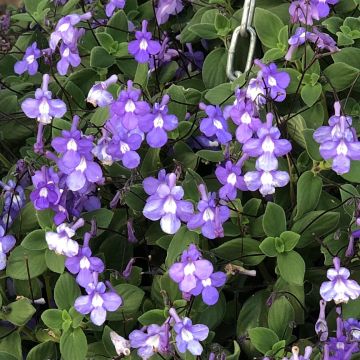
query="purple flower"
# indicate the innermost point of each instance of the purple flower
(165, 8)
(214, 124)
(321, 327)
(207, 287)
(66, 31)
(61, 240)
(295, 353)
(131, 232)
(268, 146)
(188, 336)
(84, 265)
(150, 340)
(230, 177)
(43, 108)
(339, 288)
(100, 150)
(98, 95)
(210, 217)
(323, 41)
(164, 56)
(128, 109)
(29, 63)
(122, 346)
(167, 204)
(69, 56)
(143, 46)
(158, 123)
(298, 39)
(112, 5)
(46, 193)
(14, 200)
(190, 270)
(98, 301)
(338, 141)
(7, 242)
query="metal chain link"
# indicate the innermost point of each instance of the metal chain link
(244, 30)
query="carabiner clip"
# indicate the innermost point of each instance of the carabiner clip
(244, 30)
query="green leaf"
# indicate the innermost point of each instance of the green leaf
(236, 354)
(204, 31)
(341, 75)
(273, 54)
(209, 155)
(31, 5)
(150, 162)
(10, 346)
(177, 102)
(294, 79)
(244, 249)
(274, 220)
(308, 193)
(349, 56)
(214, 68)
(185, 155)
(180, 241)
(268, 26)
(222, 25)
(267, 246)
(100, 58)
(310, 94)
(354, 174)
(154, 316)
(280, 318)
(35, 240)
(141, 75)
(105, 40)
(263, 339)
(55, 262)
(18, 312)
(100, 116)
(73, 344)
(118, 27)
(45, 218)
(24, 263)
(291, 267)
(290, 239)
(296, 126)
(312, 147)
(219, 94)
(66, 291)
(279, 245)
(46, 350)
(52, 318)
(315, 224)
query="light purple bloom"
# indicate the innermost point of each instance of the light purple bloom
(230, 177)
(83, 264)
(298, 39)
(167, 204)
(61, 241)
(352, 329)
(7, 242)
(98, 301)
(143, 46)
(164, 56)
(210, 217)
(190, 269)
(165, 8)
(100, 149)
(339, 288)
(112, 5)
(321, 327)
(150, 340)
(98, 95)
(338, 141)
(69, 56)
(29, 63)
(46, 193)
(14, 200)
(214, 124)
(323, 41)
(128, 108)
(188, 336)
(158, 123)
(43, 108)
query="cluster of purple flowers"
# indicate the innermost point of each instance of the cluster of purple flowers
(196, 276)
(338, 141)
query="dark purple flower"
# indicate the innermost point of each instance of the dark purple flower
(339, 288)
(158, 123)
(46, 193)
(143, 46)
(83, 264)
(98, 95)
(188, 336)
(28, 63)
(131, 232)
(43, 108)
(98, 301)
(165, 8)
(112, 5)
(210, 217)
(352, 329)
(167, 204)
(14, 200)
(190, 270)
(214, 124)
(150, 340)
(230, 177)
(7, 242)
(164, 56)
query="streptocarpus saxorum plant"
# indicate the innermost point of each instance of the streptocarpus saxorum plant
(151, 208)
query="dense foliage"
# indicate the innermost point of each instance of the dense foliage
(153, 208)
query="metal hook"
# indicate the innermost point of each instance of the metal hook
(244, 30)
